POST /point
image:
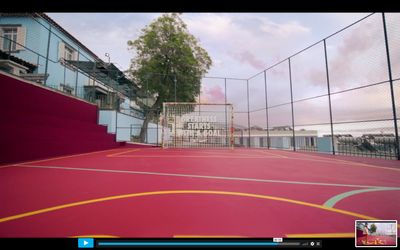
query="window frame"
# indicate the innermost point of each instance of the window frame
(68, 53)
(13, 31)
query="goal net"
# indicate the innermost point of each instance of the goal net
(197, 125)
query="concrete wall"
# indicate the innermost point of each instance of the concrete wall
(128, 125)
(324, 144)
(107, 117)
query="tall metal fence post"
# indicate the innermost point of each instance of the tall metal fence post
(248, 112)
(47, 57)
(329, 98)
(200, 99)
(130, 132)
(98, 115)
(391, 86)
(226, 118)
(76, 77)
(147, 133)
(175, 87)
(163, 124)
(200, 94)
(10, 43)
(291, 103)
(157, 130)
(92, 91)
(147, 107)
(175, 129)
(147, 91)
(38, 60)
(116, 124)
(266, 106)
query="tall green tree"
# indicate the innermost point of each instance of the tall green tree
(169, 65)
(373, 228)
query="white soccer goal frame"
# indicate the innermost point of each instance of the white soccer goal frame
(215, 134)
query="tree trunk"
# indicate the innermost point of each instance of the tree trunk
(149, 116)
(143, 130)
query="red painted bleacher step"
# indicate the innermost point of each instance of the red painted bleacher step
(39, 123)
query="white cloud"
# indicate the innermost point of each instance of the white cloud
(247, 41)
(105, 37)
(208, 24)
(284, 30)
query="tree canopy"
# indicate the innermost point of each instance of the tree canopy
(373, 228)
(167, 54)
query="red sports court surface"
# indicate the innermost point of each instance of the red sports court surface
(376, 241)
(153, 192)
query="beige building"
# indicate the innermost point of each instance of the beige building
(279, 137)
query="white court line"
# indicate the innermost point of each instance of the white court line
(205, 176)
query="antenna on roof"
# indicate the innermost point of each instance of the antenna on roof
(108, 56)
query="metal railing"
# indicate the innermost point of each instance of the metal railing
(347, 84)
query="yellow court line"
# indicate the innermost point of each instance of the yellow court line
(338, 161)
(372, 166)
(67, 156)
(209, 236)
(269, 153)
(236, 154)
(264, 153)
(197, 156)
(323, 235)
(95, 236)
(223, 153)
(245, 154)
(202, 154)
(214, 155)
(354, 164)
(305, 157)
(123, 152)
(307, 154)
(109, 198)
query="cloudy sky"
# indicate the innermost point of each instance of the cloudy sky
(244, 44)
(240, 44)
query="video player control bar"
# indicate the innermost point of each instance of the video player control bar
(128, 243)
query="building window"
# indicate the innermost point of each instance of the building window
(10, 39)
(67, 53)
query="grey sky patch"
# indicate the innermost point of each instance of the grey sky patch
(246, 56)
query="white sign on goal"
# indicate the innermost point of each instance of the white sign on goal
(197, 125)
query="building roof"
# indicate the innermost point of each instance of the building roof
(105, 72)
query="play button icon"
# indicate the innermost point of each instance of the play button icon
(85, 243)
